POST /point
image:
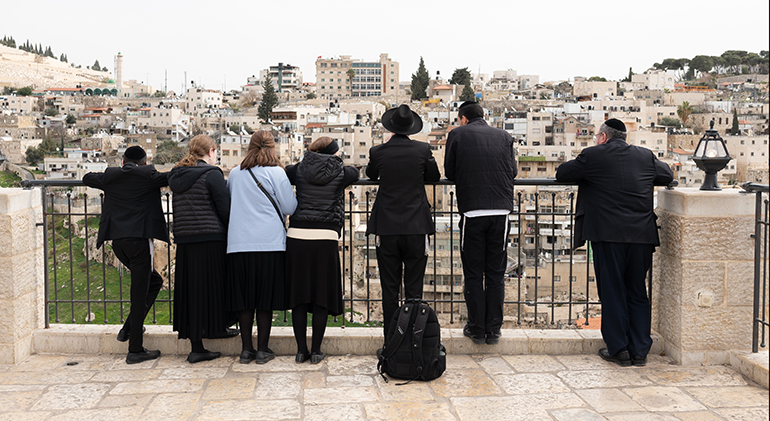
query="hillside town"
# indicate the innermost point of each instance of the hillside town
(61, 123)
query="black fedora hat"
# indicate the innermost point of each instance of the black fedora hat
(402, 120)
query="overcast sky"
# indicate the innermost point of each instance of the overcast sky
(220, 43)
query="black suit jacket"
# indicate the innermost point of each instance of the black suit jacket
(615, 194)
(132, 206)
(402, 166)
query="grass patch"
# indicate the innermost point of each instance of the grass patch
(9, 179)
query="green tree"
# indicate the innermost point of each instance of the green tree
(71, 119)
(468, 94)
(48, 145)
(311, 96)
(159, 94)
(628, 78)
(684, 111)
(7, 90)
(597, 79)
(169, 152)
(702, 64)
(34, 155)
(461, 77)
(670, 122)
(96, 66)
(25, 91)
(51, 111)
(351, 74)
(736, 129)
(269, 100)
(420, 81)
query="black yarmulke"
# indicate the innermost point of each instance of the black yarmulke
(135, 153)
(616, 124)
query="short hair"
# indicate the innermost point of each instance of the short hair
(470, 110)
(612, 133)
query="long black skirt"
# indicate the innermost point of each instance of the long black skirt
(199, 284)
(256, 281)
(313, 274)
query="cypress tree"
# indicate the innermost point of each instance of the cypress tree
(420, 81)
(269, 100)
(736, 130)
(468, 94)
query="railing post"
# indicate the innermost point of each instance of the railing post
(21, 273)
(703, 274)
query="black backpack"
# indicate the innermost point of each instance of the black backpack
(413, 348)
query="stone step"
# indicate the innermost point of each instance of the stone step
(100, 339)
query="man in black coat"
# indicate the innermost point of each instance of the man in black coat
(131, 217)
(401, 217)
(480, 160)
(614, 212)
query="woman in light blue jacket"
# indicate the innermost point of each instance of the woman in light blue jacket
(261, 196)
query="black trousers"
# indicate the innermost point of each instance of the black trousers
(134, 253)
(484, 243)
(394, 253)
(621, 269)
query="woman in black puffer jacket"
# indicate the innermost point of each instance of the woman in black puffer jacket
(312, 252)
(201, 211)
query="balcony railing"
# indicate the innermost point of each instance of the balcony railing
(760, 323)
(548, 284)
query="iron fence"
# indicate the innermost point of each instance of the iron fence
(86, 285)
(760, 323)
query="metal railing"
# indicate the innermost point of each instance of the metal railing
(85, 285)
(760, 323)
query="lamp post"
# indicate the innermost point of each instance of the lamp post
(711, 156)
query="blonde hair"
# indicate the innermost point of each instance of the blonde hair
(261, 151)
(199, 148)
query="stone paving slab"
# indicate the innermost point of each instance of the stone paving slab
(483, 386)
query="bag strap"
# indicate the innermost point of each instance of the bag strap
(275, 206)
(417, 334)
(400, 332)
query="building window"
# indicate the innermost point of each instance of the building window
(556, 278)
(573, 278)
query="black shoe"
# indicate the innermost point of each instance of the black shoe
(227, 333)
(301, 358)
(317, 357)
(638, 360)
(493, 338)
(247, 356)
(196, 357)
(125, 335)
(263, 357)
(138, 357)
(478, 340)
(622, 358)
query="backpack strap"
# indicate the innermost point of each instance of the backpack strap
(398, 335)
(419, 331)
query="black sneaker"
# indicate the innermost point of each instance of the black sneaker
(478, 340)
(493, 338)
(138, 357)
(622, 358)
(638, 360)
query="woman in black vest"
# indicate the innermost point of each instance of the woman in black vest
(201, 211)
(312, 249)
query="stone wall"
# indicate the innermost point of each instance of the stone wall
(21, 273)
(703, 286)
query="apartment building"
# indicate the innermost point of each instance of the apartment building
(232, 148)
(20, 104)
(162, 120)
(595, 89)
(354, 141)
(284, 77)
(199, 101)
(14, 149)
(374, 78)
(656, 79)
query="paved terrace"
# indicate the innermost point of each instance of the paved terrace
(476, 386)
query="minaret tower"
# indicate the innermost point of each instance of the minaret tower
(119, 73)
